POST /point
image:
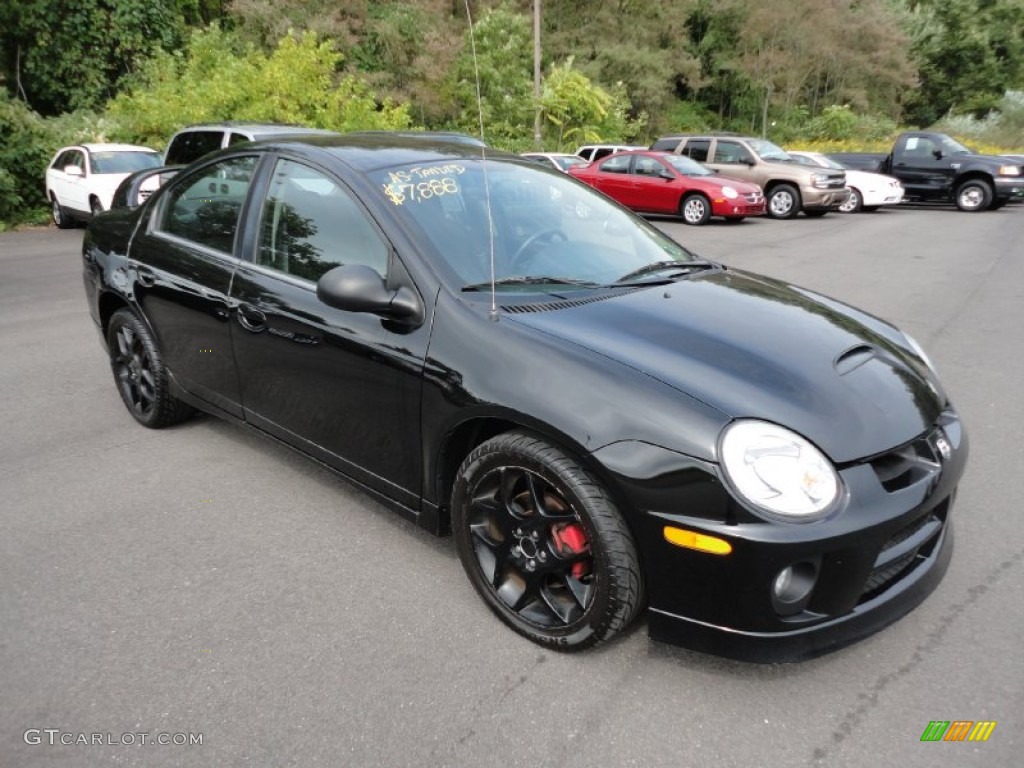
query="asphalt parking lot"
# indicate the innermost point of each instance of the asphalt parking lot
(203, 580)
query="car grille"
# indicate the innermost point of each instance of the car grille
(908, 464)
(904, 551)
(836, 182)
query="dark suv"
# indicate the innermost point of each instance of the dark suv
(788, 187)
(193, 142)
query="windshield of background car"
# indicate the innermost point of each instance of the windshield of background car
(123, 162)
(827, 162)
(545, 224)
(686, 166)
(768, 151)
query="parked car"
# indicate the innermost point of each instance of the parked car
(788, 186)
(560, 161)
(934, 167)
(603, 419)
(660, 182)
(868, 191)
(592, 152)
(192, 143)
(80, 180)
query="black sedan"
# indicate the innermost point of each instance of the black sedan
(605, 421)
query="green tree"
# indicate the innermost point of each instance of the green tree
(62, 55)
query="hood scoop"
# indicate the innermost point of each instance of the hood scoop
(854, 358)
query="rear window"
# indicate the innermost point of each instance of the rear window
(191, 145)
(123, 162)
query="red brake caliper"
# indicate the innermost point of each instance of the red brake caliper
(570, 540)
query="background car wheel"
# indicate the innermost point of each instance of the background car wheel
(60, 218)
(973, 195)
(95, 206)
(140, 374)
(783, 201)
(854, 204)
(695, 209)
(543, 543)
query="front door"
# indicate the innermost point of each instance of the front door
(342, 386)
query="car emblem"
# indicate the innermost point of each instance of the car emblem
(942, 444)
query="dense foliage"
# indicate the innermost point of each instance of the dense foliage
(618, 70)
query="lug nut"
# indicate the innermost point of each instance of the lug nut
(542, 556)
(531, 564)
(535, 535)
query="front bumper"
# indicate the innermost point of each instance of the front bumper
(1009, 188)
(876, 558)
(814, 198)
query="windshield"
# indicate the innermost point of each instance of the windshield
(123, 162)
(768, 151)
(546, 225)
(686, 166)
(568, 161)
(825, 162)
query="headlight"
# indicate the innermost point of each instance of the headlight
(777, 470)
(731, 193)
(819, 180)
(1009, 170)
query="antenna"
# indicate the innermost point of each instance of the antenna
(483, 156)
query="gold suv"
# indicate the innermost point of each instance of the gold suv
(788, 187)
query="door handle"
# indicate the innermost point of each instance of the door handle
(251, 319)
(145, 278)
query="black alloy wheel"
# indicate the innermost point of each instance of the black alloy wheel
(140, 374)
(543, 543)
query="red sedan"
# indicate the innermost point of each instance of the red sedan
(660, 182)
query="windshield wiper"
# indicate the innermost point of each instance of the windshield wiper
(531, 280)
(681, 267)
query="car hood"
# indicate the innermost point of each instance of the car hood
(752, 347)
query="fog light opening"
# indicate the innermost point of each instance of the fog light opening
(792, 587)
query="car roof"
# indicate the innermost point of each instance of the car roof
(370, 151)
(110, 147)
(261, 129)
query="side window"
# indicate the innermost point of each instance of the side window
(618, 164)
(697, 149)
(665, 145)
(731, 152)
(647, 166)
(205, 206)
(237, 138)
(191, 145)
(601, 152)
(311, 225)
(78, 158)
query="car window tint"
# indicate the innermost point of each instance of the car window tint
(205, 206)
(731, 152)
(191, 145)
(616, 164)
(601, 152)
(311, 225)
(237, 138)
(697, 149)
(647, 166)
(123, 162)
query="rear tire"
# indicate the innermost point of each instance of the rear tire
(140, 374)
(543, 543)
(695, 209)
(783, 201)
(60, 216)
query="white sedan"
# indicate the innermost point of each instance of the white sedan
(868, 190)
(81, 180)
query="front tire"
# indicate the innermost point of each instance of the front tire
(140, 375)
(973, 195)
(784, 201)
(854, 204)
(695, 209)
(543, 543)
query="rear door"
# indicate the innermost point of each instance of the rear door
(612, 177)
(183, 263)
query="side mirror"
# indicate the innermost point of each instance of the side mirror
(667, 175)
(937, 154)
(749, 161)
(359, 288)
(73, 170)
